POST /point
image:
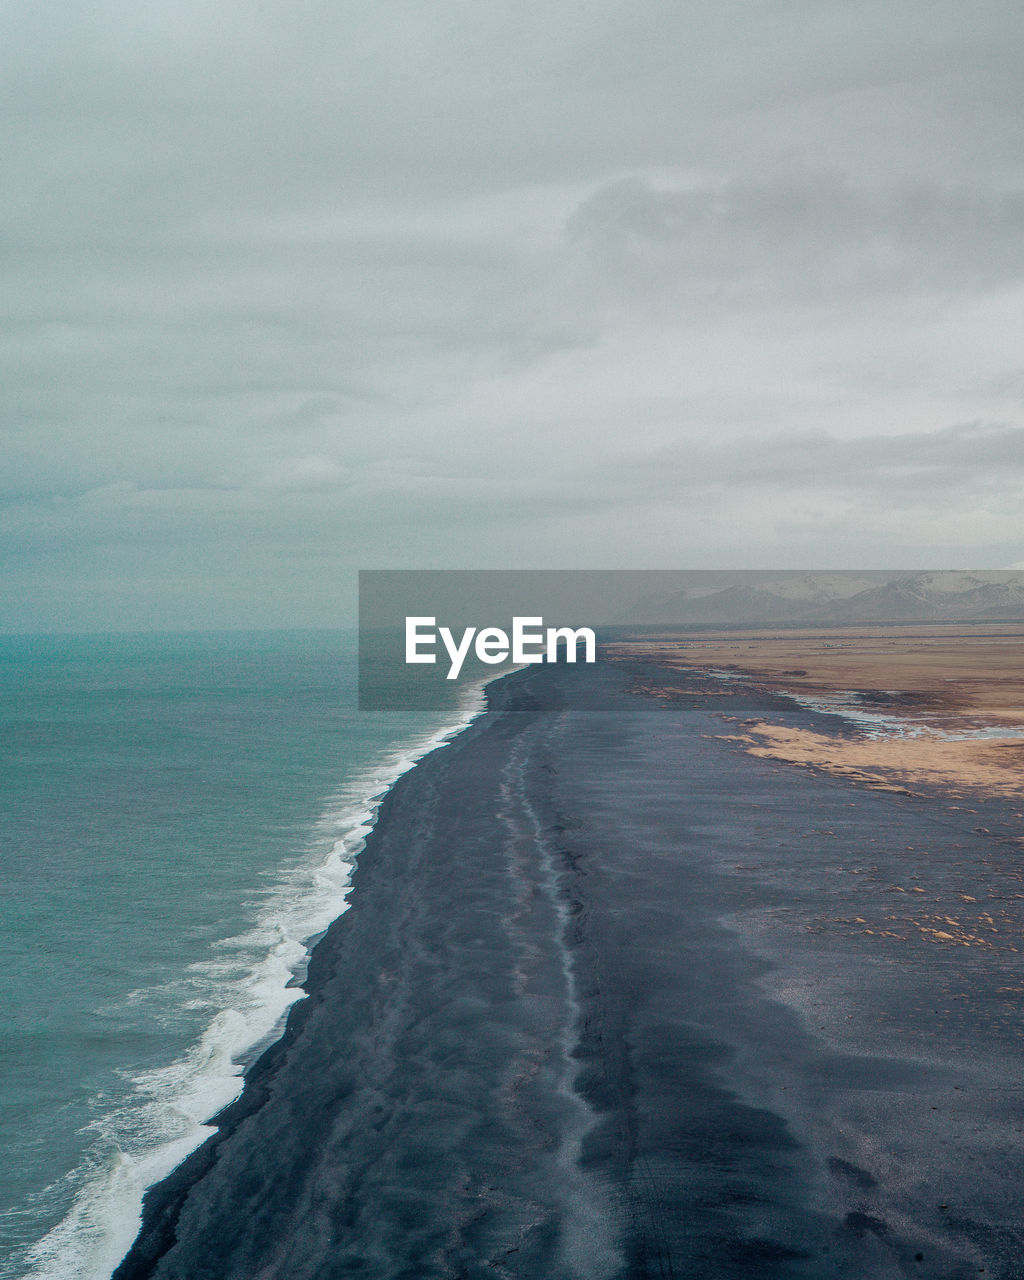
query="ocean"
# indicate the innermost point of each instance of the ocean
(179, 818)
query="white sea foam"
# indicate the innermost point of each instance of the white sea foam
(249, 988)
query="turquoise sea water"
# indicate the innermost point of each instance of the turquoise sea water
(179, 815)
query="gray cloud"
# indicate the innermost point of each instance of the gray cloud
(811, 235)
(295, 289)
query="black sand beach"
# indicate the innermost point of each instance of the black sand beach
(615, 999)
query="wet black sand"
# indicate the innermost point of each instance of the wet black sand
(615, 999)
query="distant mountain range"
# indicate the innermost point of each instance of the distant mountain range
(953, 596)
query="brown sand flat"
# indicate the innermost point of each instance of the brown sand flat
(995, 767)
(932, 680)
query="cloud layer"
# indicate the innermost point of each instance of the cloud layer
(294, 290)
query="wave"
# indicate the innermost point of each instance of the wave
(248, 988)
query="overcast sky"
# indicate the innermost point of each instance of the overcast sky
(291, 288)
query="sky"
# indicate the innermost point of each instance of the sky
(292, 288)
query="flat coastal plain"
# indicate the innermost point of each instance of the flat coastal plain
(622, 995)
(934, 704)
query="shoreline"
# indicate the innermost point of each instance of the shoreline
(161, 1200)
(105, 1216)
(586, 1020)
